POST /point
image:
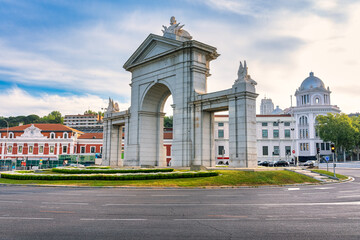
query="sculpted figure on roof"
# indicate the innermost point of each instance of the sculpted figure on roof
(175, 29)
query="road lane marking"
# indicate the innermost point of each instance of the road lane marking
(293, 189)
(64, 203)
(9, 201)
(113, 219)
(238, 195)
(113, 195)
(234, 204)
(56, 212)
(348, 196)
(208, 219)
(315, 193)
(66, 194)
(170, 195)
(25, 218)
(323, 188)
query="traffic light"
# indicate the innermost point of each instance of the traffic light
(317, 150)
(333, 148)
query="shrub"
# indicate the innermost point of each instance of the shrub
(107, 177)
(109, 171)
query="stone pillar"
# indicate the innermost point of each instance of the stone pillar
(242, 126)
(115, 145)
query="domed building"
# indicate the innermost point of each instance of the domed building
(312, 99)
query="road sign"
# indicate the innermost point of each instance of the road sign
(327, 158)
(293, 151)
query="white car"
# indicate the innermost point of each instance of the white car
(309, 163)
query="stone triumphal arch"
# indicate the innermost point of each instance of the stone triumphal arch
(174, 64)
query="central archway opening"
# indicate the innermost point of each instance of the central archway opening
(156, 141)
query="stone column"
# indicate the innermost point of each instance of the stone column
(242, 126)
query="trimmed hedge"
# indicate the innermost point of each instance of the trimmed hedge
(107, 177)
(108, 171)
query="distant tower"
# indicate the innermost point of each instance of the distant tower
(266, 106)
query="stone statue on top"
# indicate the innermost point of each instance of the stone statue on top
(243, 75)
(175, 31)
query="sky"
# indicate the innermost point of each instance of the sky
(68, 55)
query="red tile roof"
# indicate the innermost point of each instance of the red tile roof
(49, 127)
(91, 136)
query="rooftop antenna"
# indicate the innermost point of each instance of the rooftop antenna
(291, 100)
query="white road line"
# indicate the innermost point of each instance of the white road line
(273, 194)
(239, 195)
(354, 218)
(348, 196)
(314, 193)
(64, 203)
(234, 204)
(112, 219)
(170, 195)
(65, 194)
(293, 189)
(113, 195)
(209, 219)
(25, 218)
(348, 191)
(9, 201)
(323, 188)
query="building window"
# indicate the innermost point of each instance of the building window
(82, 149)
(265, 150)
(52, 148)
(52, 135)
(20, 148)
(11, 135)
(221, 150)
(287, 133)
(287, 150)
(264, 133)
(9, 149)
(64, 149)
(101, 149)
(65, 135)
(220, 133)
(287, 124)
(220, 124)
(264, 124)
(275, 124)
(92, 149)
(31, 149)
(317, 100)
(327, 146)
(317, 145)
(276, 151)
(41, 149)
(276, 133)
(322, 146)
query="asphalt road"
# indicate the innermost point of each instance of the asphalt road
(330, 211)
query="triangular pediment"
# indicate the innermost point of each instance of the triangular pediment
(32, 132)
(153, 46)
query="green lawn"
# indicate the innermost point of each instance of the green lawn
(225, 178)
(339, 176)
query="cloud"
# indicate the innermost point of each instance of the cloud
(16, 101)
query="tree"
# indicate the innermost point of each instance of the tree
(53, 117)
(338, 129)
(168, 121)
(90, 112)
(356, 124)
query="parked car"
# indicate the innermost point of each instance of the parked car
(266, 164)
(281, 163)
(309, 163)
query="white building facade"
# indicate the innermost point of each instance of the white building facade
(312, 99)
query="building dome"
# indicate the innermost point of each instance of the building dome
(312, 82)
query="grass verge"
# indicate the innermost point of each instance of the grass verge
(225, 178)
(331, 174)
